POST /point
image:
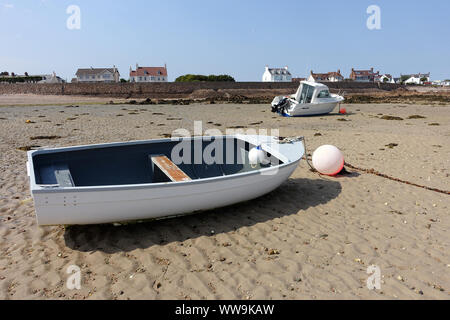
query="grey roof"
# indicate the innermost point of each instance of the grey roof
(282, 71)
(417, 75)
(94, 71)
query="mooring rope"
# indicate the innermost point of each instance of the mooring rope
(379, 174)
(374, 172)
(369, 171)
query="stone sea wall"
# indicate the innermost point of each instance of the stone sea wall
(182, 89)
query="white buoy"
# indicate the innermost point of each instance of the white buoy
(256, 156)
(328, 159)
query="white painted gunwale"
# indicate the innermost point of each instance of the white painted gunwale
(37, 189)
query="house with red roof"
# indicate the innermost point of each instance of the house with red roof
(365, 75)
(148, 74)
(329, 76)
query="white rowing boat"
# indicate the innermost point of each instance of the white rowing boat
(138, 180)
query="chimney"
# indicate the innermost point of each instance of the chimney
(286, 67)
(339, 71)
(371, 69)
(137, 66)
(267, 67)
(165, 66)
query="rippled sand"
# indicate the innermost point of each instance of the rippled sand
(314, 237)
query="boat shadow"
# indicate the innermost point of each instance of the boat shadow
(291, 198)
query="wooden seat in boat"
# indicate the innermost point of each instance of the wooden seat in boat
(170, 169)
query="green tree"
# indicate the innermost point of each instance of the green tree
(203, 78)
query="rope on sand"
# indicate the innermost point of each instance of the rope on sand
(374, 172)
(308, 158)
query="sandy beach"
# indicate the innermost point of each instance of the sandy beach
(313, 238)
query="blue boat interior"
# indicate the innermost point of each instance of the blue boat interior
(131, 163)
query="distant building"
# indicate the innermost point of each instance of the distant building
(444, 83)
(386, 78)
(51, 78)
(329, 76)
(27, 78)
(276, 75)
(149, 74)
(98, 75)
(364, 75)
(419, 78)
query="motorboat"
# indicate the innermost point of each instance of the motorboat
(311, 98)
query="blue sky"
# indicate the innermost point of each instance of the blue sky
(226, 37)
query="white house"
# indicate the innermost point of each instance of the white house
(277, 75)
(149, 74)
(386, 78)
(51, 78)
(418, 78)
(444, 83)
(98, 75)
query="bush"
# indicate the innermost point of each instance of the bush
(199, 77)
(21, 79)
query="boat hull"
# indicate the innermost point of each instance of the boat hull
(138, 203)
(81, 201)
(311, 109)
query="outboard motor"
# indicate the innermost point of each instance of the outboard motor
(280, 104)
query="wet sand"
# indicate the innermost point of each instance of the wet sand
(313, 238)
